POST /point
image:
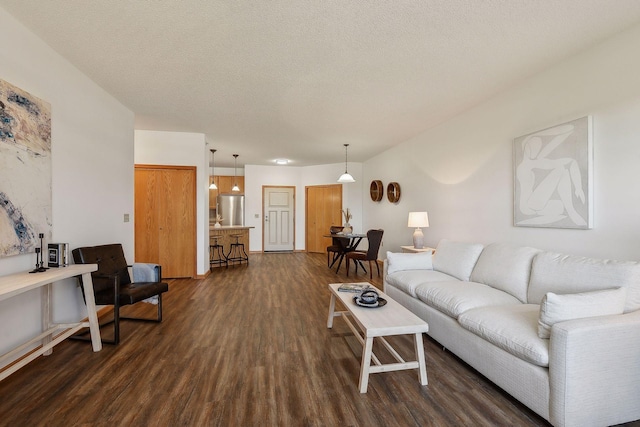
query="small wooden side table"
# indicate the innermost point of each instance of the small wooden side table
(411, 249)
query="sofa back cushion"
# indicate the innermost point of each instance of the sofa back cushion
(506, 267)
(408, 261)
(456, 259)
(569, 274)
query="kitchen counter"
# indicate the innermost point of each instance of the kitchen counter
(229, 227)
(226, 236)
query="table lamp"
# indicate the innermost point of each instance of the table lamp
(418, 220)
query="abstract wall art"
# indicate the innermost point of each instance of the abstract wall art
(25, 170)
(552, 177)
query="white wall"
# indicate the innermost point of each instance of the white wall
(92, 171)
(300, 177)
(461, 172)
(182, 149)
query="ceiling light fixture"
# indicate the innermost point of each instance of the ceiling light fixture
(235, 180)
(282, 161)
(346, 176)
(213, 185)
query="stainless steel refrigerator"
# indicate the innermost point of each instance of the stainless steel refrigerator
(231, 208)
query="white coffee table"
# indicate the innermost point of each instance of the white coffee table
(391, 319)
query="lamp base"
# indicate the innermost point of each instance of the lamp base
(418, 239)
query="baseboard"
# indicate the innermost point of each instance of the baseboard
(203, 276)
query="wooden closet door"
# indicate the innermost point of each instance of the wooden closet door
(311, 222)
(165, 227)
(323, 205)
(146, 216)
(177, 223)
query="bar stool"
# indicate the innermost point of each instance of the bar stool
(236, 251)
(216, 252)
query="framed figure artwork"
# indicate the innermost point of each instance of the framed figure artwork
(553, 172)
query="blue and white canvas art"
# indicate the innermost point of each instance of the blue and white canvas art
(552, 177)
(25, 170)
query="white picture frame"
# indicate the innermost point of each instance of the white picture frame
(553, 174)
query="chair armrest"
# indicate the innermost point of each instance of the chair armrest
(104, 276)
(594, 370)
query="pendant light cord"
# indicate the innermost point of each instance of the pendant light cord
(346, 148)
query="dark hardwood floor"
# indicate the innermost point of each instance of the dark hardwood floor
(248, 346)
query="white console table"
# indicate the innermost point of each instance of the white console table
(52, 333)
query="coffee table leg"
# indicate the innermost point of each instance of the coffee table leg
(332, 309)
(422, 365)
(367, 349)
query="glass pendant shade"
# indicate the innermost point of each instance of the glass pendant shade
(346, 177)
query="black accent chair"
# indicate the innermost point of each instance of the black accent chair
(112, 284)
(337, 245)
(375, 239)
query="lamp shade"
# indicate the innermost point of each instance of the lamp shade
(418, 219)
(346, 177)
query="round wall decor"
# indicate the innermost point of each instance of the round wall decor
(393, 192)
(376, 190)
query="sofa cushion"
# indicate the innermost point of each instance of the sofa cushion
(456, 258)
(568, 274)
(558, 308)
(408, 261)
(409, 280)
(505, 267)
(454, 298)
(513, 328)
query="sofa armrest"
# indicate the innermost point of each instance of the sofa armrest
(385, 269)
(594, 371)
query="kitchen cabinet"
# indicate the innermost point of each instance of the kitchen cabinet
(224, 184)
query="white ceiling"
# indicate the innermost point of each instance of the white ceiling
(299, 78)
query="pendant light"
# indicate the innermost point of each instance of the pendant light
(346, 176)
(213, 185)
(235, 180)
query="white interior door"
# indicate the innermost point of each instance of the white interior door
(278, 217)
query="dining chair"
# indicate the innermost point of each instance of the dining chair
(371, 254)
(337, 245)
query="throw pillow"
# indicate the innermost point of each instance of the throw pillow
(408, 261)
(558, 308)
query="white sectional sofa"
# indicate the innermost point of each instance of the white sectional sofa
(492, 306)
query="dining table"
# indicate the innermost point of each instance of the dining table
(349, 243)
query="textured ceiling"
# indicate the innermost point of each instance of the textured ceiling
(297, 79)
